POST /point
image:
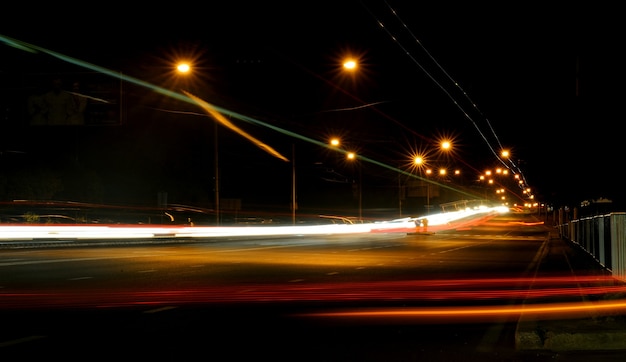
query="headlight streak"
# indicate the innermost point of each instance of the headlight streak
(15, 232)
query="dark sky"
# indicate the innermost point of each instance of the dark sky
(542, 81)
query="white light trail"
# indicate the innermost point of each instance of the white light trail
(100, 232)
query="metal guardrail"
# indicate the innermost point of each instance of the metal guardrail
(603, 237)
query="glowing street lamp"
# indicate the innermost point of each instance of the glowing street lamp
(353, 157)
(350, 64)
(420, 162)
(185, 68)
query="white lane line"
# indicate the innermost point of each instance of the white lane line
(48, 261)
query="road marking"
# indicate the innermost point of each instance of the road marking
(48, 261)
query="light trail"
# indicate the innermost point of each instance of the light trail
(13, 232)
(562, 310)
(465, 297)
(220, 118)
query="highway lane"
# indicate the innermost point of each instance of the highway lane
(325, 259)
(270, 295)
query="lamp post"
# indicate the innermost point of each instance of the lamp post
(422, 160)
(419, 162)
(294, 201)
(217, 178)
(185, 68)
(353, 157)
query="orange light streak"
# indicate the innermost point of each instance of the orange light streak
(565, 310)
(220, 118)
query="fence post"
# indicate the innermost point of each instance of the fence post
(618, 239)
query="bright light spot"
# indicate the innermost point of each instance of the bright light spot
(183, 68)
(349, 64)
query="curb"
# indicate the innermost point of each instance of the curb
(571, 335)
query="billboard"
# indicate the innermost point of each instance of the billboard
(420, 188)
(72, 99)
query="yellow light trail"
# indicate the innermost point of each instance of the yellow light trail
(220, 118)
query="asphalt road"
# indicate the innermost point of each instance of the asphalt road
(324, 298)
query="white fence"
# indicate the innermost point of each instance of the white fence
(603, 237)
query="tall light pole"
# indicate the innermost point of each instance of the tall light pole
(217, 175)
(353, 157)
(419, 162)
(185, 68)
(294, 202)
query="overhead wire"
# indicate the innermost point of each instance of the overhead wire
(511, 164)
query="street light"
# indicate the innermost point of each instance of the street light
(350, 64)
(353, 157)
(422, 162)
(185, 68)
(419, 162)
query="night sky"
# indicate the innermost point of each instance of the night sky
(542, 81)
